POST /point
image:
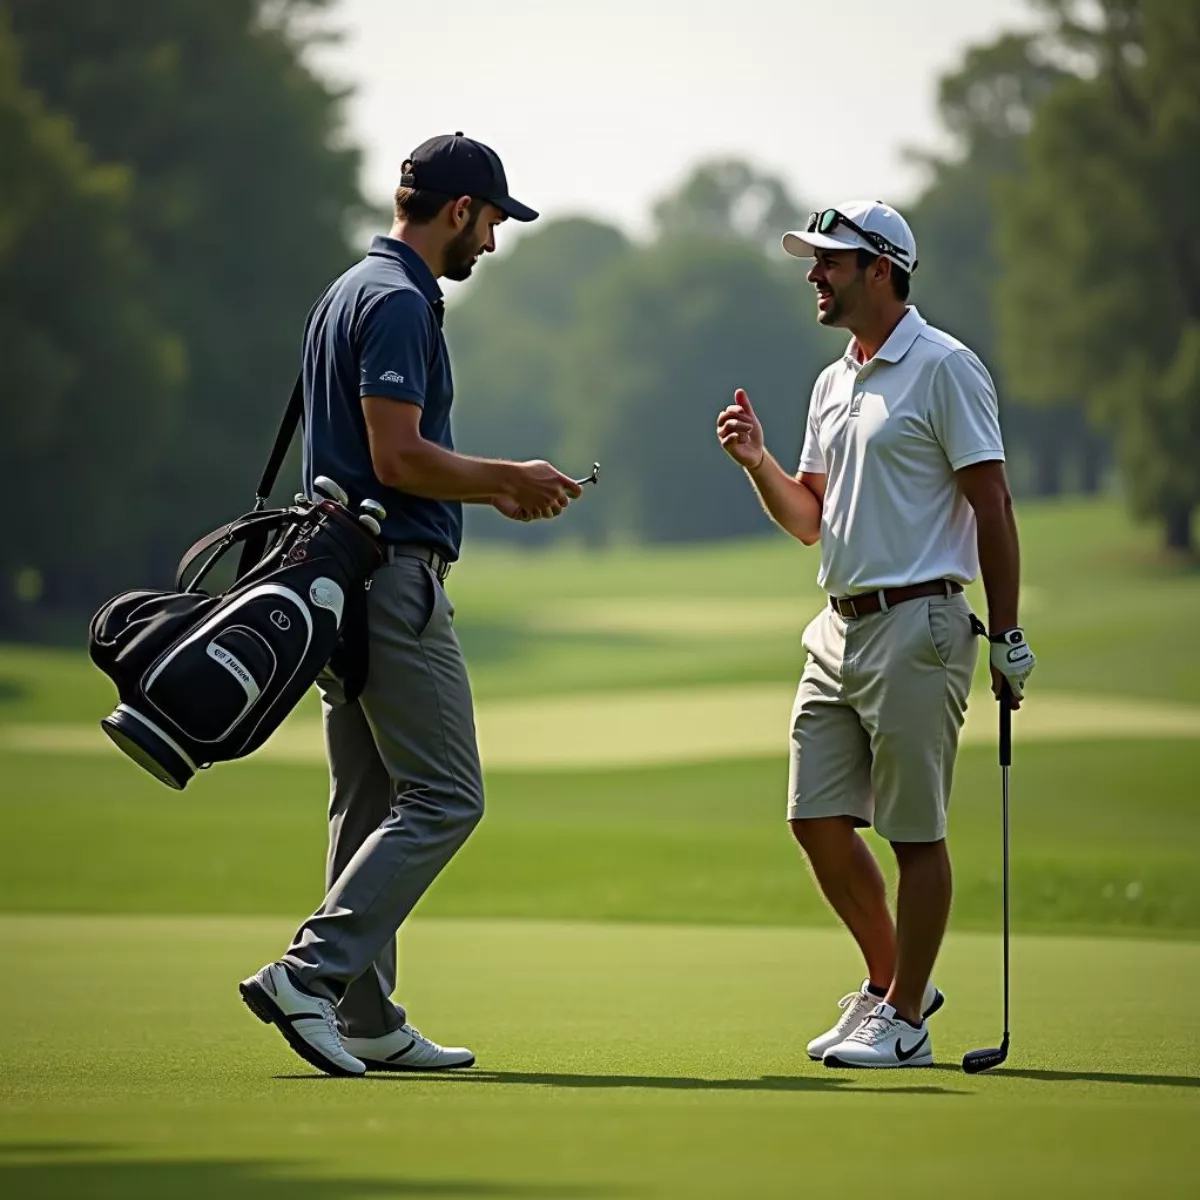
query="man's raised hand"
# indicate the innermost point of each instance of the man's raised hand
(741, 433)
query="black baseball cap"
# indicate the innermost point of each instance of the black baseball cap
(460, 166)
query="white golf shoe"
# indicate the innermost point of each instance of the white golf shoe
(308, 1022)
(856, 1008)
(405, 1049)
(883, 1040)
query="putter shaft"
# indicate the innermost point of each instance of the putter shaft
(975, 1061)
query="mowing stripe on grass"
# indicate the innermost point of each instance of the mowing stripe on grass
(678, 725)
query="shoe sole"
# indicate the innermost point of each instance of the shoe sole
(259, 1002)
(882, 1066)
(375, 1065)
(938, 1000)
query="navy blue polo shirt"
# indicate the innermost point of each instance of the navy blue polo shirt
(377, 331)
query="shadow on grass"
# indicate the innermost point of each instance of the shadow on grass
(56, 1171)
(1178, 1081)
(1049, 1076)
(673, 1083)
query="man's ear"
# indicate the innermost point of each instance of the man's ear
(460, 212)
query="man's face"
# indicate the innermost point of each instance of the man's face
(477, 237)
(841, 286)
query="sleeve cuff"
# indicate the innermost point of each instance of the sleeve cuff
(390, 393)
(976, 456)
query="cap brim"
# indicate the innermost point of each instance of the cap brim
(514, 208)
(800, 244)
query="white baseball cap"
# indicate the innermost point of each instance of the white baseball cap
(855, 225)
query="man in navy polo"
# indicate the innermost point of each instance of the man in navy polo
(406, 788)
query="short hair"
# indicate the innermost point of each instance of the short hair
(418, 206)
(901, 279)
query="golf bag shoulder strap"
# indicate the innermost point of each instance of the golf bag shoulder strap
(256, 525)
(293, 415)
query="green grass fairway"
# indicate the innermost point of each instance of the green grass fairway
(1104, 838)
(614, 1061)
(631, 942)
(1104, 616)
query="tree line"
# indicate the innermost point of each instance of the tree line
(179, 187)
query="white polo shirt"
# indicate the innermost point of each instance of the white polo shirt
(889, 435)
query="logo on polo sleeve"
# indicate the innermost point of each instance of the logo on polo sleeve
(391, 377)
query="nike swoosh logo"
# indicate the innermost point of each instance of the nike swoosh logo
(904, 1055)
(401, 1053)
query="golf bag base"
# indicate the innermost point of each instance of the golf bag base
(208, 678)
(149, 747)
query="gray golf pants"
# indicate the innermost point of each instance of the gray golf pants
(406, 791)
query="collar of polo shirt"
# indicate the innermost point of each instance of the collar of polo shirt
(899, 343)
(389, 247)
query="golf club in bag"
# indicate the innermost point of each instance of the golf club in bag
(205, 678)
(975, 1061)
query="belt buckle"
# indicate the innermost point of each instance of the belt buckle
(846, 608)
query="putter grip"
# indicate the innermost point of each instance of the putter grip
(1005, 725)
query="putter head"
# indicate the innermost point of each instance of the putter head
(976, 1061)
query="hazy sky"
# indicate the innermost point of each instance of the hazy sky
(600, 107)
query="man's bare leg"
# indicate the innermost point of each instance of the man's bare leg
(922, 909)
(852, 882)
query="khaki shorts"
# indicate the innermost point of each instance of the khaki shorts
(877, 716)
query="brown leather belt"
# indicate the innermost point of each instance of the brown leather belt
(866, 603)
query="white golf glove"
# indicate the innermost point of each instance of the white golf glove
(1012, 657)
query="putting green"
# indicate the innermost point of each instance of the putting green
(679, 725)
(614, 1061)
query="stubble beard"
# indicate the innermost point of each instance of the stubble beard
(460, 255)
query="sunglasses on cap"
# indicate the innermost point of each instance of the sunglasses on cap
(827, 221)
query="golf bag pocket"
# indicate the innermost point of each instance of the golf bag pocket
(211, 682)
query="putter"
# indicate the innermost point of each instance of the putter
(594, 477)
(975, 1061)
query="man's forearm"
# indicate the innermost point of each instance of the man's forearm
(792, 505)
(430, 471)
(999, 563)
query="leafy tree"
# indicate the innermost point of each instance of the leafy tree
(583, 346)
(506, 337)
(241, 192)
(1102, 297)
(729, 198)
(988, 106)
(664, 339)
(91, 372)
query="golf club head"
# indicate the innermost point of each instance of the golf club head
(327, 487)
(976, 1061)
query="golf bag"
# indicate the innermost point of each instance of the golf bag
(205, 678)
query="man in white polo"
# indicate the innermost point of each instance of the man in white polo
(901, 480)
